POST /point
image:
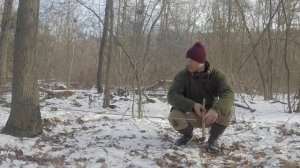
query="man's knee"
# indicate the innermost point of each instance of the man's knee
(177, 120)
(225, 120)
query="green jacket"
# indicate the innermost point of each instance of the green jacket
(187, 89)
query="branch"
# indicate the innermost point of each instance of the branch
(245, 107)
(57, 94)
(151, 29)
(260, 37)
(112, 33)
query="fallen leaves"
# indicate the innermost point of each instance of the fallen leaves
(175, 160)
(276, 150)
(41, 160)
(166, 138)
(112, 141)
(80, 120)
(279, 139)
(51, 122)
(236, 146)
(289, 164)
(286, 131)
(259, 155)
(198, 139)
(18, 153)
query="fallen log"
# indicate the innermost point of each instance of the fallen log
(278, 101)
(148, 99)
(57, 93)
(159, 84)
(244, 107)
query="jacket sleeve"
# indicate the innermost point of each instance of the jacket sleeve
(176, 94)
(225, 93)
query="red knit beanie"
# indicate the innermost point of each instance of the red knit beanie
(197, 53)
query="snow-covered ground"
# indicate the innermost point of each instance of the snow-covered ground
(78, 132)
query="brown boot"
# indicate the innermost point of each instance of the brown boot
(215, 132)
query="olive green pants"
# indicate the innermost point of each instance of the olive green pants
(180, 120)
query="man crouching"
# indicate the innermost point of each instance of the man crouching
(190, 86)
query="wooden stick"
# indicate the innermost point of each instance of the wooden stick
(203, 122)
(188, 119)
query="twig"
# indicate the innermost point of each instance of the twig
(251, 109)
(154, 123)
(290, 118)
(261, 35)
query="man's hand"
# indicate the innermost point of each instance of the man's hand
(211, 116)
(199, 109)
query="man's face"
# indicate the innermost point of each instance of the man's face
(194, 66)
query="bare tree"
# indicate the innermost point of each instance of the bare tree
(4, 39)
(140, 89)
(254, 46)
(70, 41)
(288, 20)
(298, 96)
(102, 48)
(25, 117)
(106, 101)
(136, 70)
(244, 38)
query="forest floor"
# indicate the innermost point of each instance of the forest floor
(78, 132)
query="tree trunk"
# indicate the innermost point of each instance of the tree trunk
(254, 50)
(4, 39)
(106, 101)
(141, 79)
(102, 47)
(118, 20)
(229, 38)
(124, 17)
(25, 117)
(269, 72)
(298, 106)
(139, 17)
(288, 77)
(69, 45)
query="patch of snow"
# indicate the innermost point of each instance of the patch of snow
(91, 136)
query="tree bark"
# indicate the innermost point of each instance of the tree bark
(106, 101)
(139, 17)
(298, 106)
(124, 17)
(4, 39)
(25, 117)
(285, 55)
(102, 47)
(70, 44)
(270, 59)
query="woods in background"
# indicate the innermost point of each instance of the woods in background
(256, 42)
